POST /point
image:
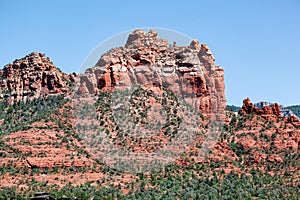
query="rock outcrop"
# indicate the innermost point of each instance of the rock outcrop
(268, 112)
(31, 77)
(283, 110)
(146, 59)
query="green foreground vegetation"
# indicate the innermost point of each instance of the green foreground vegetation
(195, 181)
(173, 183)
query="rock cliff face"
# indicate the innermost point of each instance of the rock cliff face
(31, 77)
(146, 59)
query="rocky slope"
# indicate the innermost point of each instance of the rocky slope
(146, 59)
(31, 77)
(47, 154)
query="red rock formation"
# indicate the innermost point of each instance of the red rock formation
(248, 107)
(150, 61)
(31, 77)
(267, 112)
(276, 109)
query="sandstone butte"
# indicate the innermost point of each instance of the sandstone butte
(148, 60)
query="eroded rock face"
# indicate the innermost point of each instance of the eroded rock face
(150, 61)
(31, 77)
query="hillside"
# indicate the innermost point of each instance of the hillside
(120, 131)
(233, 108)
(253, 154)
(295, 109)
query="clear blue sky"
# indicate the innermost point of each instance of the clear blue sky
(256, 42)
